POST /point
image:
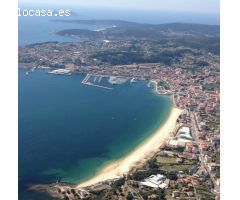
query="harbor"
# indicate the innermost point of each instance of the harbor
(114, 80)
(86, 81)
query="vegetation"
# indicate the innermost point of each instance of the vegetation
(164, 85)
(211, 86)
(127, 56)
(129, 196)
(166, 160)
(217, 174)
(140, 175)
(202, 63)
(152, 163)
(118, 183)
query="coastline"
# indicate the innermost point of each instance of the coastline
(139, 155)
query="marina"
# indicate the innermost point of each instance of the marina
(114, 80)
(86, 81)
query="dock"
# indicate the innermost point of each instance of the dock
(86, 82)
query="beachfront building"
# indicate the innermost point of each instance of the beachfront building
(155, 181)
(185, 133)
(178, 142)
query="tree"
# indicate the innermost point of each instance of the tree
(118, 183)
(152, 163)
(129, 196)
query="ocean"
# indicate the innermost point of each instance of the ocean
(71, 130)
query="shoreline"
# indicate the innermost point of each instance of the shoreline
(139, 155)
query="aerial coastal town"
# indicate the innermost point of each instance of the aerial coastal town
(182, 62)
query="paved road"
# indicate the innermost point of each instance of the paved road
(194, 131)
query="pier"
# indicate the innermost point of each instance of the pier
(86, 82)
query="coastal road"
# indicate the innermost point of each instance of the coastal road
(194, 134)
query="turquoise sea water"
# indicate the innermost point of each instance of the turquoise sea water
(70, 130)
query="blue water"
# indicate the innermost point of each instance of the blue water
(70, 130)
(42, 29)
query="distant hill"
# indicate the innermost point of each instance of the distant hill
(99, 22)
(174, 27)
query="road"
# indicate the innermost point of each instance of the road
(194, 131)
(134, 193)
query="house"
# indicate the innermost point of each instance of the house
(213, 166)
(193, 169)
(163, 185)
(203, 145)
(176, 194)
(153, 196)
(202, 172)
(179, 160)
(203, 126)
(190, 194)
(195, 150)
(215, 141)
(218, 182)
(207, 158)
(155, 181)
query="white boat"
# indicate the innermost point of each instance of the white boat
(60, 72)
(133, 80)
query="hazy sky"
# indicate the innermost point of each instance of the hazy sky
(206, 6)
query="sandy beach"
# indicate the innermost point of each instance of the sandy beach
(139, 155)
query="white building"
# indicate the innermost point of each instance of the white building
(155, 181)
(185, 133)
